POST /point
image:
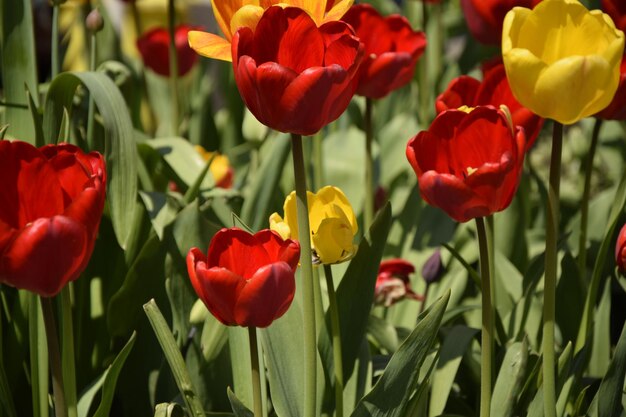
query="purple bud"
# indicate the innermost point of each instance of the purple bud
(433, 268)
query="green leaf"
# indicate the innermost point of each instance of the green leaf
(510, 380)
(239, 409)
(110, 378)
(37, 119)
(121, 149)
(611, 387)
(601, 342)
(162, 209)
(455, 344)
(390, 396)
(174, 358)
(6, 398)
(258, 197)
(383, 333)
(355, 293)
(168, 410)
(19, 66)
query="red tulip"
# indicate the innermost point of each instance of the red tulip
(245, 280)
(617, 10)
(51, 201)
(493, 90)
(617, 109)
(293, 76)
(154, 49)
(392, 283)
(392, 49)
(484, 17)
(620, 250)
(468, 164)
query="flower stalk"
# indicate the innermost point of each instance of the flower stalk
(256, 373)
(486, 357)
(368, 209)
(60, 407)
(308, 292)
(336, 336)
(171, 28)
(549, 298)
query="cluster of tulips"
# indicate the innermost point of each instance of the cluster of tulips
(297, 66)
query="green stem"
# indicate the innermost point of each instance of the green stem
(171, 26)
(55, 40)
(136, 18)
(584, 210)
(13, 105)
(67, 352)
(92, 104)
(308, 293)
(368, 209)
(486, 356)
(38, 357)
(491, 236)
(336, 336)
(552, 225)
(318, 161)
(60, 408)
(256, 373)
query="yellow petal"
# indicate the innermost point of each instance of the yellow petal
(338, 10)
(523, 70)
(315, 8)
(513, 21)
(224, 10)
(333, 241)
(279, 226)
(290, 213)
(325, 204)
(247, 16)
(210, 45)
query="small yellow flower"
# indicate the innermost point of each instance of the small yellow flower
(234, 14)
(561, 59)
(332, 221)
(220, 168)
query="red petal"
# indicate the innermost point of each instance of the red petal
(220, 289)
(451, 195)
(45, 256)
(461, 91)
(278, 249)
(385, 73)
(30, 188)
(238, 251)
(266, 296)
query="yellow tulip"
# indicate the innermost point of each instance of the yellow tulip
(234, 14)
(562, 60)
(332, 221)
(220, 167)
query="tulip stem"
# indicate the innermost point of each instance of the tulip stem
(486, 357)
(368, 209)
(308, 292)
(256, 373)
(552, 228)
(55, 67)
(54, 355)
(171, 27)
(336, 335)
(67, 352)
(92, 104)
(584, 209)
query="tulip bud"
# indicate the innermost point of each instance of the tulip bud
(433, 268)
(94, 21)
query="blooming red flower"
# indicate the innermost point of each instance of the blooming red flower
(468, 164)
(620, 250)
(392, 283)
(392, 49)
(293, 76)
(484, 17)
(245, 280)
(617, 109)
(154, 49)
(494, 90)
(617, 10)
(51, 201)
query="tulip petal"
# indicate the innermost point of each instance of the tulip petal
(210, 45)
(248, 16)
(338, 9)
(224, 10)
(279, 249)
(386, 73)
(31, 187)
(230, 246)
(332, 240)
(220, 290)
(462, 91)
(266, 296)
(45, 256)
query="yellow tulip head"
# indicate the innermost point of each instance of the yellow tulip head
(220, 167)
(562, 60)
(332, 221)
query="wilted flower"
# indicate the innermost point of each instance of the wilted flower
(393, 284)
